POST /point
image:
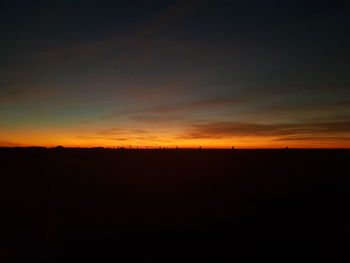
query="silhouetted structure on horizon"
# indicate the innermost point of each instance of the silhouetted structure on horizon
(59, 147)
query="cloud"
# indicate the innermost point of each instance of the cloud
(325, 139)
(103, 138)
(189, 130)
(118, 131)
(23, 95)
(124, 136)
(156, 119)
(10, 144)
(201, 104)
(241, 129)
(306, 112)
(310, 106)
(170, 113)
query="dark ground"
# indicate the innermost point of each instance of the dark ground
(175, 205)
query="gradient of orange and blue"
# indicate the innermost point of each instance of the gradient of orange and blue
(175, 73)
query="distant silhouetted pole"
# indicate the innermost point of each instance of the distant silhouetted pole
(233, 147)
(200, 147)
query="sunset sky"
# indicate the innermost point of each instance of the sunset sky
(214, 73)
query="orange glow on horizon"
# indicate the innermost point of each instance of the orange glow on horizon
(66, 139)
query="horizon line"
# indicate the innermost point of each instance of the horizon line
(178, 148)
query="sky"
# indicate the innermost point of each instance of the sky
(245, 73)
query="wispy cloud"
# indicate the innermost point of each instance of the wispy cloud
(196, 105)
(309, 106)
(157, 120)
(325, 139)
(123, 135)
(237, 129)
(10, 144)
(173, 112)
(118, 131)
(23, 95)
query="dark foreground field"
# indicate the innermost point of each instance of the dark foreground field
(175, 205)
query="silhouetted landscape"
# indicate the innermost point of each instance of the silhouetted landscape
(169, 205)
(175, 131)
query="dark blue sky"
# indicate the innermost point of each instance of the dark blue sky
(216, 73)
